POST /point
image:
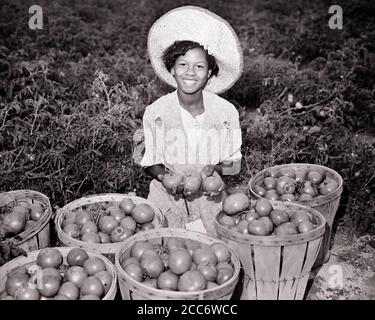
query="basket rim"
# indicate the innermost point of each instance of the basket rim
(31, 257)
(25, 235)
(272, 240)
(315, 202)
(175, 232)
(104, 247)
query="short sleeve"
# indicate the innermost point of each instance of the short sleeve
(152, 154)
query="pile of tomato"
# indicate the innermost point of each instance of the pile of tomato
(179, 264)
(110, 223)
(48, 278)
(301, 184)
(261, 219)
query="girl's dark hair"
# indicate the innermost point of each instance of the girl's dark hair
(179, 48)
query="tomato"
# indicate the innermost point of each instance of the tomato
(82, 217)
(152, 283)
(175, 243)
(259, 190)
(308, 188)
(191, 181)
(134, 271)
(241, 227)
(269, 183)
(235, 203)
(89, 226)
(305, 226)
(202, 255)
(286, 229)
(225, 220)
(14, 223)
(287, 172)
(208, 270)
(327, 186)
(36, 211)
(119, 234)
(60, 297)
(72, 230)
(76, 275)
(167, 281)
(279, 216)
(305, 197)
(76, 257)
(301, 174)
(50, 286)
(191, 280)
(92, 285)
(211, 184)
(300, 216)
(263, 207)
(106, 224)
(52, 272)
(191, 245)
(27, 293)
(139, 247)
(250, 215)
(129, 223)
(258, 228)
(223, 275)
(116, 213)
(151, 263)
(221, 252)
(287, 197)
(127, 205)
(91, 237)
(211, 285)
(105, 278)
(272, 195)
(267, 222)
(143, 213)
(224, 265)
(93, 265)
(147, 226)
(104, 237)
(316, 176)
(285, 185)
(21, 209)
(19, 269)
(129, 260)
(15, 281)
(179, 261)
(70, 290)
(49, 257)
(171, 181)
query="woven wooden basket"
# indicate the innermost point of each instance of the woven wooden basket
(276, 267)
(326, 205)
(31, 259)
(134, 290)
(107, 249)
(38, 236)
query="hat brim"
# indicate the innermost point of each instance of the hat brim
(208, 29)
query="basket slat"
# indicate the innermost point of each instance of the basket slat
(292, 265)
(267, 261)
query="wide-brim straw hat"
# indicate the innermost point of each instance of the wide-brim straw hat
(208, 29)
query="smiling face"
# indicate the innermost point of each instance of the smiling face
(191, 71)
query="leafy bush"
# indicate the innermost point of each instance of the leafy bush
(72, 95)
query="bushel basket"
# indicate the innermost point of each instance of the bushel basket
(276, 267)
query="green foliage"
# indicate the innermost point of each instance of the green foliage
(72, 95)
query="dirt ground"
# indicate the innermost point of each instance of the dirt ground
(350, 272)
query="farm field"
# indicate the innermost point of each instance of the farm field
(72, 97)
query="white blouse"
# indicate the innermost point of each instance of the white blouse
(173, 136)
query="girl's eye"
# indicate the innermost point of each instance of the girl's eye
(182, 64)
(200, 67)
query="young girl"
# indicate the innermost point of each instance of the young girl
(192, 128)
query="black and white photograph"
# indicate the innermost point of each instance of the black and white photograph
(189, 156)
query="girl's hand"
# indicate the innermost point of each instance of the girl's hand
(207, 171)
